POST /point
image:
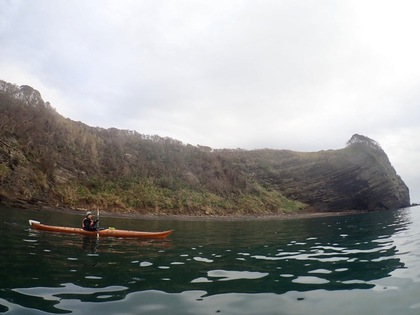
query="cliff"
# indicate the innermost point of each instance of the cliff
(358, 177)
(48, 160)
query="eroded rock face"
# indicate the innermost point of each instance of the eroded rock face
(24, 93)
(42, 155)
(358, 177)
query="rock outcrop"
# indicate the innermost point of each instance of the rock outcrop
(47, 159)
(25, 93)
(358, 177)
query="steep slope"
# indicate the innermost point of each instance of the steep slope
(46, 159)
(358, 177)
(49, 160)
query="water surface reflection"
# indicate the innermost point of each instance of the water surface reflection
(57, 273)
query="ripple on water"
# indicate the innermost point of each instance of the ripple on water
(202, 259)
(226, 275)
(30, 241)
(321, 271)
(93, 277)
(201, 280)
(229, 275)
(69, 289)
(310, 280)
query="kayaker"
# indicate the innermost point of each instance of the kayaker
(88, 223)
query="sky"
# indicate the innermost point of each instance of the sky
(282, 74)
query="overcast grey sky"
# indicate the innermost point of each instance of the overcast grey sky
(299, 75)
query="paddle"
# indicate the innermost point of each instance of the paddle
(97, 223)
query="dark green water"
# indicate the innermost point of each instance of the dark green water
(359, 264)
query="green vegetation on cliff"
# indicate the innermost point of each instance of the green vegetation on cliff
(46, 159)
(49, 160)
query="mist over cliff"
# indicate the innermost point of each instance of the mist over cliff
(49, 160)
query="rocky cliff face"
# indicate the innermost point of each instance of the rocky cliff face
(25, 93)
(45, 158)
(358, 177)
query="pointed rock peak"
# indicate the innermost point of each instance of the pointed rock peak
(25, 93)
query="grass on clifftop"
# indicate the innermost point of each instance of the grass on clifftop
(148, 198)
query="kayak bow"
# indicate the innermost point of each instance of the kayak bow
(107, 232)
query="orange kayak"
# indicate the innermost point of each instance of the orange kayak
(106, 232)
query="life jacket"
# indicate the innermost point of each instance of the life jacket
(87, 223)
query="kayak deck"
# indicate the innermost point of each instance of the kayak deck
(107, 232)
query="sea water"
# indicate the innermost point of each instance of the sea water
(354, 264)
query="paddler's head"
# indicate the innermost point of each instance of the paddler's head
(88, 213)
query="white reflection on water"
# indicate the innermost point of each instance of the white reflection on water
(55, 293)
(310, 280)
(230, 275)
(202, 259)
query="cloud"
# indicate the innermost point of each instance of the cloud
(298, 75)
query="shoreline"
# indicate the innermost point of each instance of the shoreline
(302, 214)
